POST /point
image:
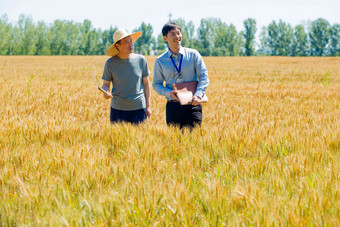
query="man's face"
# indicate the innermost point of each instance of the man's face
(125, 46)
(174, 37)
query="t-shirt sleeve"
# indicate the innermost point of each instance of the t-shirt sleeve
(146, 70)
(107, 72)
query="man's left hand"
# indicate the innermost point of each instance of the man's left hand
(148, 112)
(196, 101)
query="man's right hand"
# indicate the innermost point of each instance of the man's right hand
(173, 94)
(106, 87)
(107, 95)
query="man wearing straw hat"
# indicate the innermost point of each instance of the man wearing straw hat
(128, 73)
(179, 65)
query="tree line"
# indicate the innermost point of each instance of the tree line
(213, 37)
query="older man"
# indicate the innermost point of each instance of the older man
(128, 73)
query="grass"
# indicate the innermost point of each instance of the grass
(267, 153)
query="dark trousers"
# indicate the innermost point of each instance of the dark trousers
(131, 116)
(183, 116)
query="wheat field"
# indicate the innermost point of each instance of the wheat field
(267, 154)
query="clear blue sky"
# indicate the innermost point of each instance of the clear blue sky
(130, 14)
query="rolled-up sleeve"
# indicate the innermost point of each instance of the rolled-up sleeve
(202, 74)
(158, 80)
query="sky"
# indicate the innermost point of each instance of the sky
(129, 14)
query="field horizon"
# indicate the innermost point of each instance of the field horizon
(267, 154)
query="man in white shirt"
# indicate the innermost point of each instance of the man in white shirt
(179, 65)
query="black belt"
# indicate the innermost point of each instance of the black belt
(172, 100)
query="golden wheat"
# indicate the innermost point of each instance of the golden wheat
(267, 153)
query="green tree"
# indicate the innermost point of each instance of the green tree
(264, 42)
(234, 41)
(56, 36)
(319, 36)
(146, 41)
(5, 34)
(273, 37)
(221, 38)
(28, 34)
(88, 40)
(15, 41)
(190, 31)
(299, 41)
(107, 39)
(286, 38)
(279, 38)
(71, 45)
(161, 45)
(95, 42)
(207, 35)
(334, 42)
(41, 36)
(249, 36)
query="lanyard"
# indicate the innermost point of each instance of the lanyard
(180, 64)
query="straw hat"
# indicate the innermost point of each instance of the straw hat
(118, 35)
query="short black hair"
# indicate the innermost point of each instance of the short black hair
(169, 26)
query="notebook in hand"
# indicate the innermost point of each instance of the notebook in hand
(185, 92)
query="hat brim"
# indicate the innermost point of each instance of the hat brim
(112, 51)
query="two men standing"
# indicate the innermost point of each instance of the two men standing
(129, 75)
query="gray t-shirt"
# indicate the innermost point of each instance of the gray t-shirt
(126, 76)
